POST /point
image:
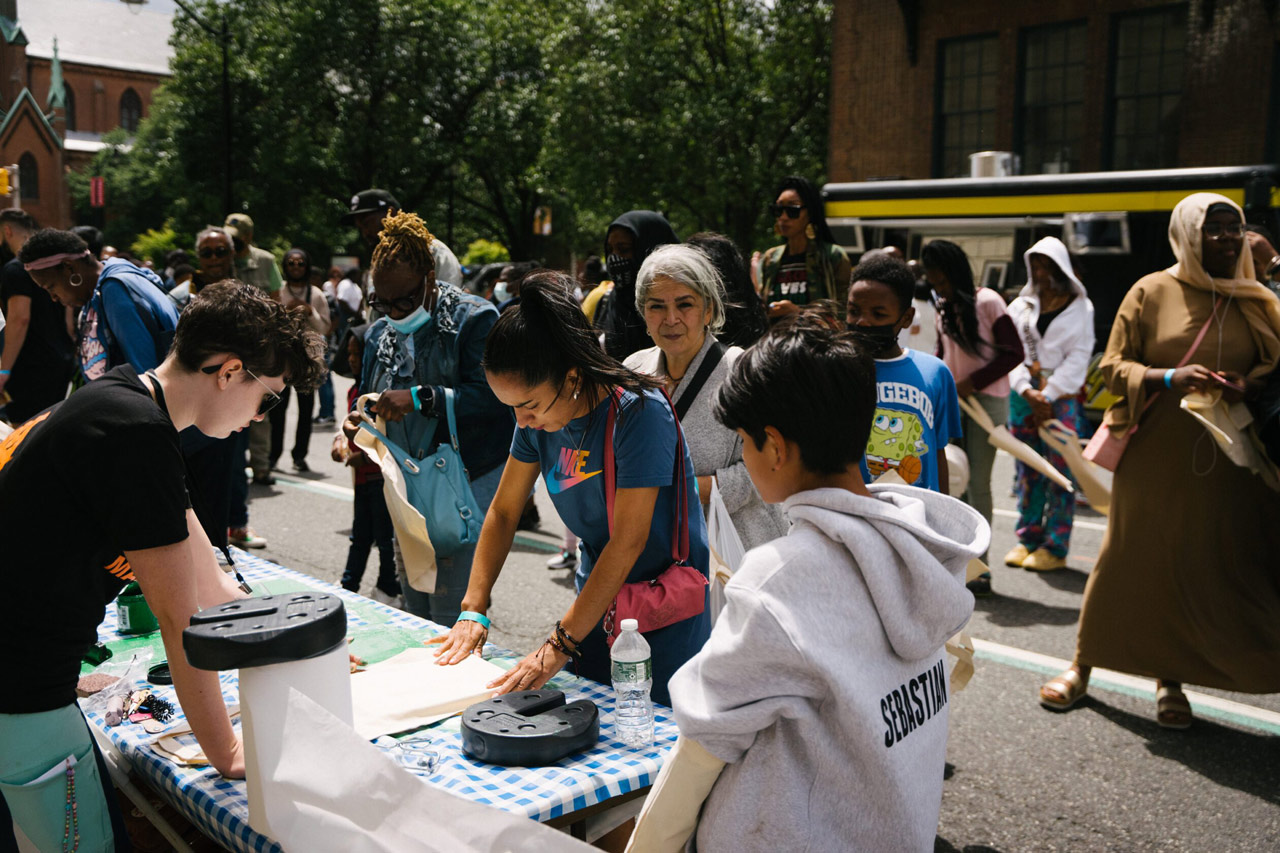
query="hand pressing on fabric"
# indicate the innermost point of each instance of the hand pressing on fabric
(394, 405)
(464, 638)
(537, 668)
(1041, 408)
(232, 767)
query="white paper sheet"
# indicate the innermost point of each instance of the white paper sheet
(342, 793)
(412, 690)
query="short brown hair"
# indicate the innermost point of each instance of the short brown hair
(235, 317)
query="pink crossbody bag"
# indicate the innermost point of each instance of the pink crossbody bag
(678, 593)
(1106, 448)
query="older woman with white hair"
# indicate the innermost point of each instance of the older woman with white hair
(681, 298)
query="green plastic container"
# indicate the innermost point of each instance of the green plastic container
(133, 614)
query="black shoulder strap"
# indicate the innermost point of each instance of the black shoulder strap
(714, 354)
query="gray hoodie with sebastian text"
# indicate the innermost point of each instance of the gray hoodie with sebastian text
(824, 684)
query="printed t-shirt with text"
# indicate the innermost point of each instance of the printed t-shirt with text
(917, 414)
(572, 463)
(793, 280)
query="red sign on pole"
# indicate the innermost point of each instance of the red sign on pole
(97, 192)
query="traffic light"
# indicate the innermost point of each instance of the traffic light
(4, 181)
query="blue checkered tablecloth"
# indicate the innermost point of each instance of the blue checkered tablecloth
(220, 806)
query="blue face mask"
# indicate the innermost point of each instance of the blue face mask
(415, 321)
(500, 292)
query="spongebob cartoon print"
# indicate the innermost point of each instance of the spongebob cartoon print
(896, 443)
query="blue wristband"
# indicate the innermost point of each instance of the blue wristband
(1168, 378)
(417, 404)
(472, 616)
(5, 372)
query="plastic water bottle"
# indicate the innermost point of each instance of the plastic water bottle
(632, 681)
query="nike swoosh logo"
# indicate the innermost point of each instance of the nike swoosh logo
(557, 484)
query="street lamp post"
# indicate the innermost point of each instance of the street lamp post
(222, 34)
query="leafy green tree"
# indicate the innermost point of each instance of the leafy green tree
(699, 120)
(485, 252)
(476, 113)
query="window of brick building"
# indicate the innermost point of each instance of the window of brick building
(71, 107)
(1146, 88)
(966, 110)
(130, 110)
(29, 177)
(1051, 100)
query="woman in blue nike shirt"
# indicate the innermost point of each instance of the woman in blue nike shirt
(543, 360)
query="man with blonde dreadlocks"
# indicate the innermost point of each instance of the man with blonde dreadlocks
(431, 339)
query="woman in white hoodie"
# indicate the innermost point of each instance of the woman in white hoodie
(1054, 318)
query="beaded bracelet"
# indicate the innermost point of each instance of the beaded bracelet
(558, 645)
(565, 637)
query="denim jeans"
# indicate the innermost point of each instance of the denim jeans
(325, 393)
(452, 573)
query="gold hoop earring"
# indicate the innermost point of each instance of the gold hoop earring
(76, 280)
(810, 232)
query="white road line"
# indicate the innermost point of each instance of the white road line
(1213, 706)
(341, 492)
(1131, 685)
(1083, 525)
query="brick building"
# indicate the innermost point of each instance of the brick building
(1069, 86)
(71, 70)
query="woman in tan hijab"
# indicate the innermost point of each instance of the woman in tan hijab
(1186, 587)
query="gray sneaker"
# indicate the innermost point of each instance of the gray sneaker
(396, 601)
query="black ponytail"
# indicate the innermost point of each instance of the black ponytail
(546, 334)
(960, 311)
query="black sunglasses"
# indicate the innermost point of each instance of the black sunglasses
(220, 252)
(269, 400)
(404, 304)
(792, 211)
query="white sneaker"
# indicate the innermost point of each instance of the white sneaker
(563, 560)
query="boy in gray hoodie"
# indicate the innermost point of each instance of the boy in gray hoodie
(823, 687)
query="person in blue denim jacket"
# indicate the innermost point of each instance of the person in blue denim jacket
(432, 337)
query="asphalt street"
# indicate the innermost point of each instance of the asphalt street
(1102, 776)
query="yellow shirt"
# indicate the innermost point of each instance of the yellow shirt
(593, 298)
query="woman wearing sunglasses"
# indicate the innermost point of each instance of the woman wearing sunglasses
(110, 454)
(809, 266)
(125, 316)
(429, 339)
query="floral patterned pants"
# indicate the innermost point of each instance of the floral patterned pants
(1045, 511)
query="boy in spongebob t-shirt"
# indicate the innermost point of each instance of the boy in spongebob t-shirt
(917, 412)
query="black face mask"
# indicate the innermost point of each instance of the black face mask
(878, 341)
(621, 270)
